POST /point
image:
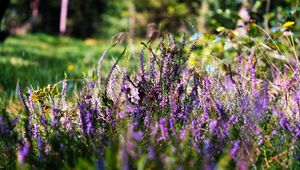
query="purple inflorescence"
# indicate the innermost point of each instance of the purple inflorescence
(165, 116)
(21, 97)
(3, 126)
(24, 151)
(235, 148)
(163, 129)
(64, 94)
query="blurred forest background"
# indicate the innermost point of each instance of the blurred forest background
(36, 54)
(103, 19)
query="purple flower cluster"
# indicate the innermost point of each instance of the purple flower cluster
(165, 116)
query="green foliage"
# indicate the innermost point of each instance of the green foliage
(170, 15)
(36, 58)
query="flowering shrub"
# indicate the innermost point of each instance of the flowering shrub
(164, 116)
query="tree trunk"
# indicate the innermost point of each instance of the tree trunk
(63, 16)
(35, 8)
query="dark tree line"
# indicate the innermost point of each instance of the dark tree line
(106, 18)
(84, 17)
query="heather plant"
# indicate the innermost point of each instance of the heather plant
(166, 115)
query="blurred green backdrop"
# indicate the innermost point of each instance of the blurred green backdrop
(104, 18)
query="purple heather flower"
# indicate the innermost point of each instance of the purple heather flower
(43, 121)
(64, 94)
(68, 123)
(179, 168)
(24, 151)
(220, 110)
(273, 133)
(124, 157)
(210, 151)
(216, 129)
(163, 102)
(196, 146)
(82, 118)
(213, 124)
(152, 68)
(195, 129)
(100, 164)
(297, 97)
(242, 165)
(229, 83)
(21, 97)
(172, 124)
(184, 113)
(135, 97)
(187, 110)
(284, 123)
(137, 135)
(121, 115)
(142, 67)
(183, 133)
(207, 84)
(40, 145)
(233, 119)
(173, 105)
(147, 120)
(260, 140)
(175, 102)
(297, 132)
(166, 62)
(89, 123)
(227, 125)
(92, 84)
(54, 117)
(131, 146)
(15, 121)
(248, 122)
(261, 102)
(235, 148)
(111, 90)
(151, 153)
(163, 129)
(266, 95)
(154, 129)
(194, 93)
(255, 128)
(3, 126)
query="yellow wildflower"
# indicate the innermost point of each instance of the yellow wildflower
(288, 24)
(70, 67)
(35, 97)
(46, 109)
(220, 29)
(51, 88)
